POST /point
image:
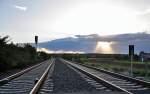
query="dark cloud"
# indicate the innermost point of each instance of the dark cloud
(88, 43)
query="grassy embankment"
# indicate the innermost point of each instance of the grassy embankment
(121, 66)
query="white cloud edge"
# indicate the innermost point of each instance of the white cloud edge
(60, 51)
(23, 8)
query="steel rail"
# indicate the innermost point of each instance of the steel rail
(11, 77)
(98, 79)
(36, 88)
(135, 80)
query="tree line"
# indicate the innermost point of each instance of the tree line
(13, 56)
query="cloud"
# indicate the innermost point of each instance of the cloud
(59, 51)
(93, 43)
(21, 7)
(139, 5)
(145, 15)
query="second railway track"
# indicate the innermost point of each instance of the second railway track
(132, 85)
(24, 81)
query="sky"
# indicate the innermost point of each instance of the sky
(52, 19)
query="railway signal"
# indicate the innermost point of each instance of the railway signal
(36, 41)
(131, 54)
(36, 44)
(131, 50)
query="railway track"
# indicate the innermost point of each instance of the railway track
(24, 81)
(63, 78)
(59, 76)
(127, 84)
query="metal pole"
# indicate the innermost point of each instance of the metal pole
(131, 68)
(131, 54)
(146, 70)
(36, 47)
(36, 51)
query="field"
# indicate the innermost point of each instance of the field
(140, 69)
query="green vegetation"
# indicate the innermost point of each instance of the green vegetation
(118, 63)
(139, 69)
(14, 56)
(113, 62)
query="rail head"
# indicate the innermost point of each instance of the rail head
(37, 86)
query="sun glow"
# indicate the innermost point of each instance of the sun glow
(104, 47)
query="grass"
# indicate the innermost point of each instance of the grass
(134, 62)
(122, 66)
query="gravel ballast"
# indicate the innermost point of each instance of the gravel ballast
(68, 81)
